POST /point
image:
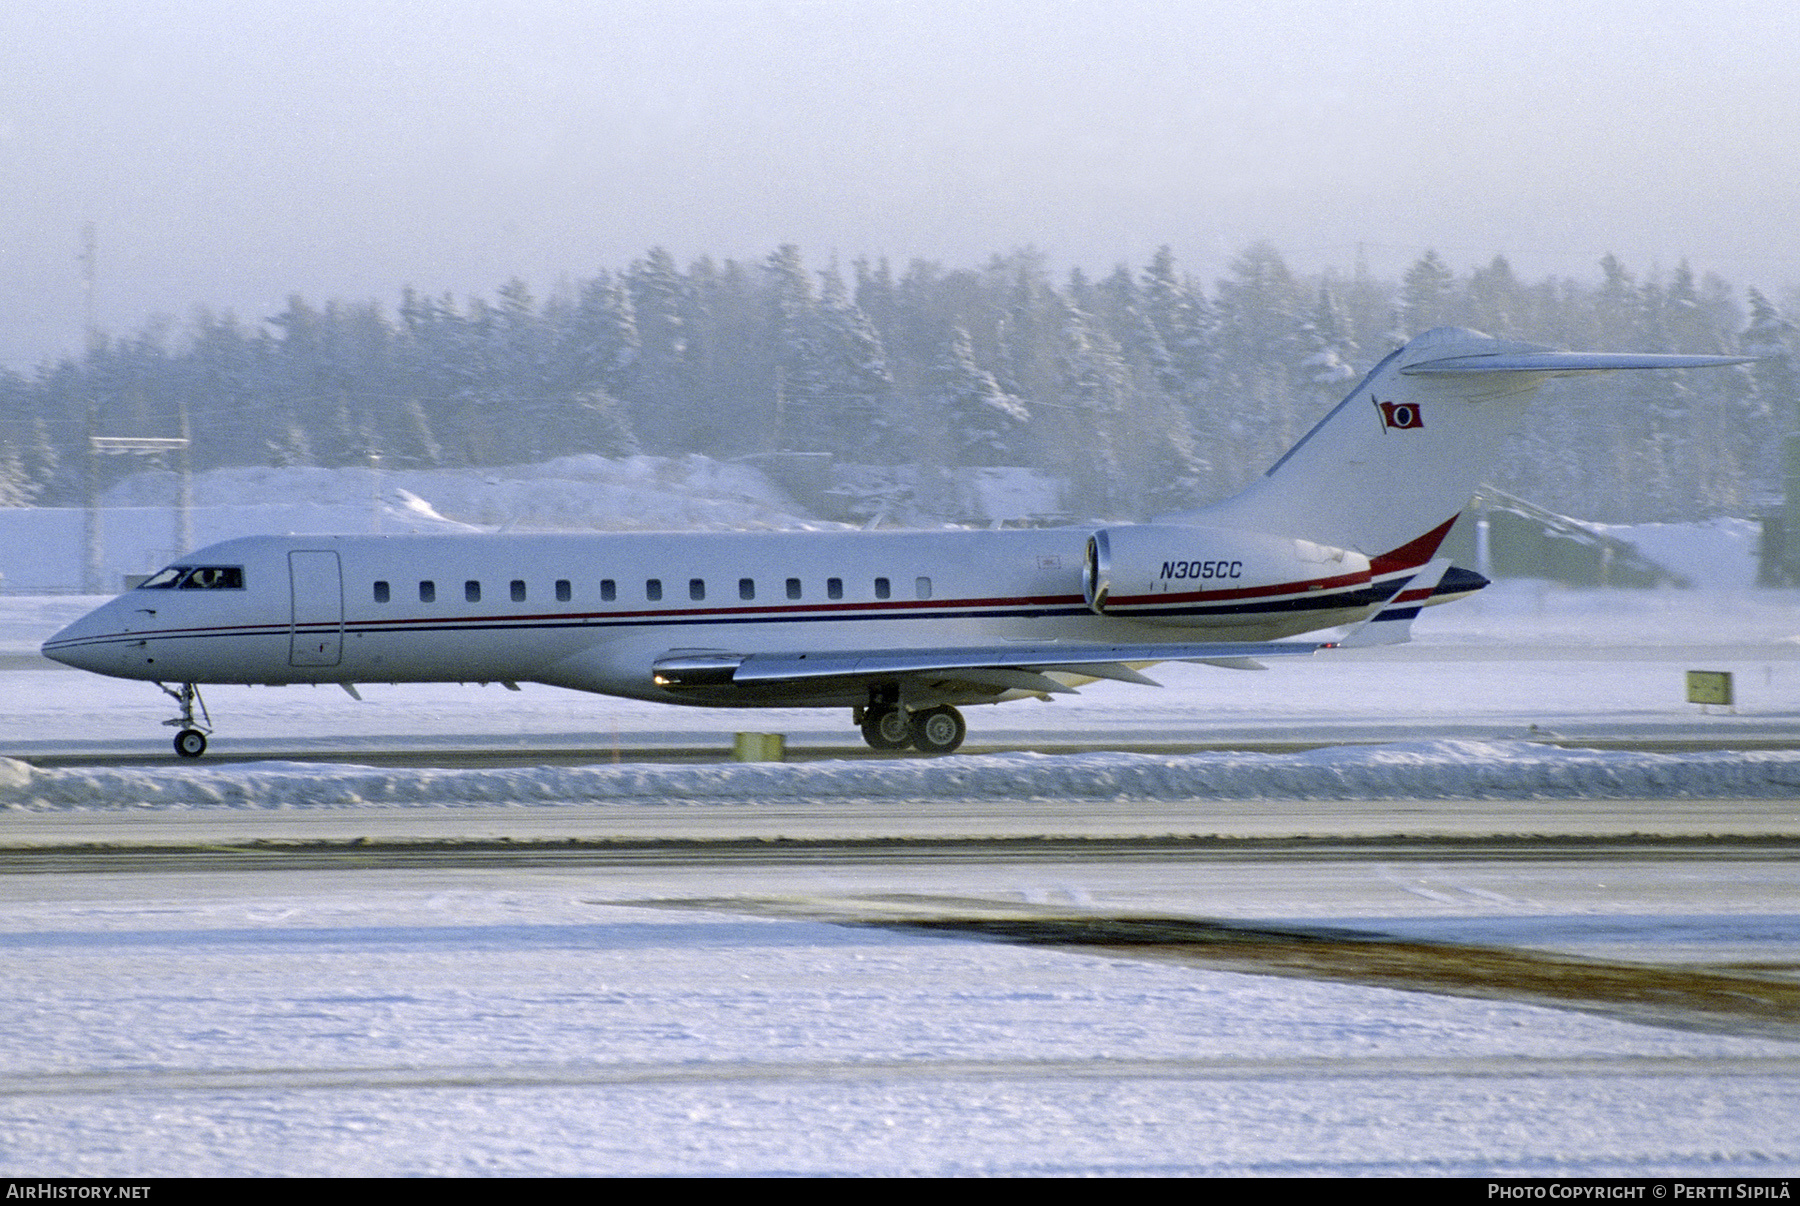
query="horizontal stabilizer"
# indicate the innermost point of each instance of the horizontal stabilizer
(1392, 625)
(1557, 363)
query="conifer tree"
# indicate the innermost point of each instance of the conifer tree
(1251, 414)
(1184, 322)
(39, 458)
(1427, 294)
(1493, 299)
(1771, 400)
(802, 422)
(1095, 382)
(659, 397)
(857, 388)
(1333, 352)
(730, 354)
(986, 424)
(16, 487)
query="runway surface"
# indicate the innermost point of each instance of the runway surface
(1713, 850)
(1420, 987)
(1250, 867)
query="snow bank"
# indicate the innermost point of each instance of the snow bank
(1428, 770)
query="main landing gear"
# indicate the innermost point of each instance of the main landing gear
(937, 730)
(190, 736)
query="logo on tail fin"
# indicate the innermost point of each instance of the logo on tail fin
(1400, 416)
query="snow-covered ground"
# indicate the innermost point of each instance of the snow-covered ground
(553, 1020)
(383, 1023)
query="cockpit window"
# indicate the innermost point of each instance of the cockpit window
(196, 577)
(214, 577)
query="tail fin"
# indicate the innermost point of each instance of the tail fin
(1400, 457)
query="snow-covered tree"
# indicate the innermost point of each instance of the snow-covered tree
(803, 421)
(857, 385)
(1184, 322)
(1330, 362)
(1493, 299)
(986, 424)
(660, 393)
(1251, 414)
(1095, 383)
(1426, 296)
(600, 345)
(1769, 407)
(16, 487)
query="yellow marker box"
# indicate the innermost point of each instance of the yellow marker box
(1709, 687)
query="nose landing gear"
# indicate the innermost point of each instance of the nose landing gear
(190, 736)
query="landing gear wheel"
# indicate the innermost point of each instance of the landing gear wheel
(887, 729)
(938, 730)
(190, 730)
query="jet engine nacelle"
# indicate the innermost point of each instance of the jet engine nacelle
(1138, 570)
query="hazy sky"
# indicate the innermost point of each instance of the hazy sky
(231, 153)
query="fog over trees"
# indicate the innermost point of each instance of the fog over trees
(1146, 389)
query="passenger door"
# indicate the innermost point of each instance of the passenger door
(317, 634)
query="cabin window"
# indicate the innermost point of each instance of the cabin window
(381, 592)
(922, 588)
(564, 592)
(696, 589)
(882, 589)
(746, 588)
(834, 588)
(428, 592)
(653, 590)
(472, 591)
(609, 590)
(793, 588)
(518, 590)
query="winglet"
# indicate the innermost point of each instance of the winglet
(1392, 625)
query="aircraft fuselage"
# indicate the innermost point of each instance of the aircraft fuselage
(595, 612)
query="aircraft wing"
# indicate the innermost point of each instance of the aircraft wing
(1020, 667)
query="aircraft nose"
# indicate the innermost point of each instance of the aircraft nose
(84, 644)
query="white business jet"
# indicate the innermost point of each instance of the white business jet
(902, 628)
